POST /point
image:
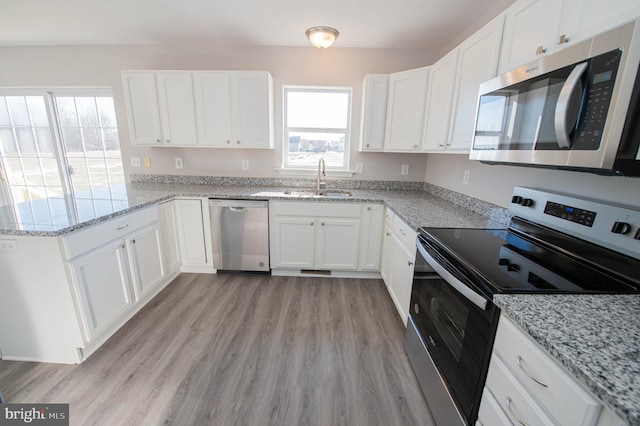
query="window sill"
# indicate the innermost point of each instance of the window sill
(310, 172)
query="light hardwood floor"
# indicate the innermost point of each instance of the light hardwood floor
(232, 349)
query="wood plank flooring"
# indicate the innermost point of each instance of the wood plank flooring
(232, 349)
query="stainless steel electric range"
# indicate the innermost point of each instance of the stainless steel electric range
(555, 243)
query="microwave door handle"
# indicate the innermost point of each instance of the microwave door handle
(475, 298)
(563, 107)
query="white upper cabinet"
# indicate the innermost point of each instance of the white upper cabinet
(439, 102)
(234, 109)
(583, 18)
(477, 63)
(374, 111)
(141, 97)
(405, 110)
(530, 30)
(200, 108)
(177, 112)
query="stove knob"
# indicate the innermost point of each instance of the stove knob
(516, 199)
(527, 202)
(503, 262)
(621, 228)
(637, 236)
(513, 268)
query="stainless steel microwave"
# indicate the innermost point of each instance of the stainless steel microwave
(575, 109)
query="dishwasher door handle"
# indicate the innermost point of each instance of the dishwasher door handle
(238, 209)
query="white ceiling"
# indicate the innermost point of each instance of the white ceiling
(429, 24)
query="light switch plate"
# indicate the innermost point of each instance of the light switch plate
(358, 168)
(147, 162)
(245, 164)
(135, 161)
(405, 169)
(178, 162)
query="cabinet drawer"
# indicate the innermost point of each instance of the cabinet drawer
(562, 397)
(315, 209)
(86, 239)
(491, 413)
(514, 400)
(405, 234)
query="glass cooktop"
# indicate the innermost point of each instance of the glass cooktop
(529, 258)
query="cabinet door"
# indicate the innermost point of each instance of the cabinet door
(293, 242)
(177, 110)
(169, 237)
(103, 282)
(582, 19)
(387, 248)
(371, 237)
(406, 109)
(142, 107)
(440, 100)
(530, 30)
(477, 63)
(145, 257)
(252, 110)
(191, 232)
(212, 92)
(401, 277)
(338, 242)
(374, 111)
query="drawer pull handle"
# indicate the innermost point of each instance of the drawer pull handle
(120, 228)
(513, 413)
(528, 374)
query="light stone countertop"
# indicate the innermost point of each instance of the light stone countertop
(59, 216)
(595, 337)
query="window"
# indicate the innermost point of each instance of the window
(316, 125)
(55, 143)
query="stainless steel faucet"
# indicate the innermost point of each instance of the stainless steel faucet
(320, 183)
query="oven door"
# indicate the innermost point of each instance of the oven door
(454, 323)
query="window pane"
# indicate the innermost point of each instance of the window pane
(111, 142)
(4, 113)
(7, 143)
(38, 111)
(45, 146)
(87, 112)
(67, 116)
(18, 110)
(320, 110)
(13, 168)
(78, 172)
(306, 149)
(92, 141)
(51, 172)
(26, 144)
(32, 173)
(106, 112)
(72, 141)
(98, 171)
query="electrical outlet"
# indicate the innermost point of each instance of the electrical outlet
(358, 168)
(465, 177)
(245, 164)
(178, 162)
(135, 161)
(8, 245)
(147, 162)
(405, 169)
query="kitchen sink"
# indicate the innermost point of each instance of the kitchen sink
(311, 193)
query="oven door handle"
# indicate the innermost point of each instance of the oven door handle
(477, 299)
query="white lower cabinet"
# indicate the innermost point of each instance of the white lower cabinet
(527, 386)
(399, 253)
(170, 237)
(114, 279)
(335, 236)
(104, 285)
(194, 234)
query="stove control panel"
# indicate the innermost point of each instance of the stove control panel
(609, 225)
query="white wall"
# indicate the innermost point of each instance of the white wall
(100, 66)
(495, 183)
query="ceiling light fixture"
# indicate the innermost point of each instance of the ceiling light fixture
(322, 37)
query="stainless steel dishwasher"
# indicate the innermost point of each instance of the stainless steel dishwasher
(240, 234)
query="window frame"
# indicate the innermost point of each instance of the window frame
(346, 131)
